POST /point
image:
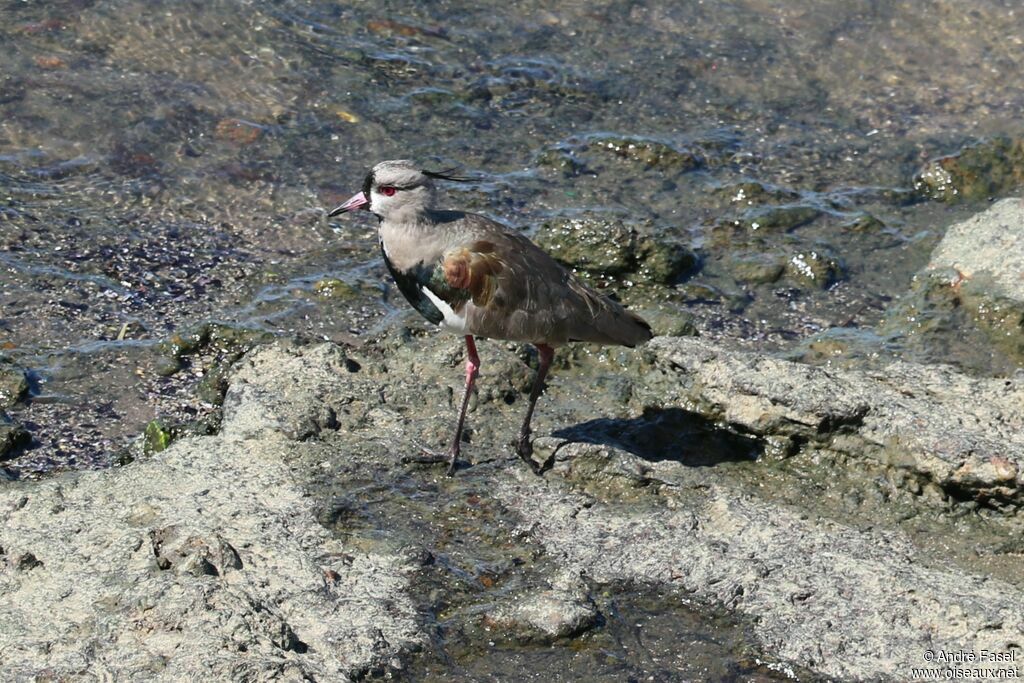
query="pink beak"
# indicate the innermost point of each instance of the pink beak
(357, 202)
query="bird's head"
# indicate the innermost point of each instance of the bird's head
(397, 191)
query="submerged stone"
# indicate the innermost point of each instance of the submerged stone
(543, 617)
(333, 288)
(814, 268)
(777, 217)
(649, 153)
(561, 159)
(756, 267)
(752, 193)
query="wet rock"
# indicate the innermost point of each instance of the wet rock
(563, 160)
(752, 225)
(600, 247)
(669, 320)
(752, 193)
(13, 384)
(238, 131)
(542, 617)
(964, 434)
(13, 437)
(977, 172)
(845, 346)
(814, 268)
(651, 154)
(777, 218)
(227, 342)
(803, 580)
(207, 561)
(865, 223)
(333, 288)
(973, 277)
(756, 267)
(592, 245)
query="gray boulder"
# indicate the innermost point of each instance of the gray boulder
(964, 434)
(205, 562)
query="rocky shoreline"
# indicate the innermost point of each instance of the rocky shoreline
(855, 519)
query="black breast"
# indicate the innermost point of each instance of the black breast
(410, 284)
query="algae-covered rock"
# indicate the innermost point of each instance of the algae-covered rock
(156, 437)
(979, 171)
(814, 268)
(13, 384)
(561, 159)
(669, 320)
(864, 222)
(220, 336)
(600, 248)
(333, 288)
(651, 154)
(13, 436)
(753, 226)
(594, 245)
(779, 218)
(751, 193)
(663, 262)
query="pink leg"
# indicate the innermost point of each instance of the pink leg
(472, 370)
(523, 447)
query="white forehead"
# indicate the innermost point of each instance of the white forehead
(400, 172)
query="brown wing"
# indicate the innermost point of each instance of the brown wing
(514, 290)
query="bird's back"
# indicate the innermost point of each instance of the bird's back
(515, 290)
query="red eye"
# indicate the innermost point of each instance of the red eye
(387, 190)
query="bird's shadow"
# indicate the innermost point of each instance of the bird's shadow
(668, 434)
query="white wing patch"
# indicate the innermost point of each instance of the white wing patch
(453, 322)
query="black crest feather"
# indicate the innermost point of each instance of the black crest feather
(449, 174)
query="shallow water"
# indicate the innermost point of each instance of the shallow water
(167, 163)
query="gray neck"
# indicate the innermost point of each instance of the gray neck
(407, 243)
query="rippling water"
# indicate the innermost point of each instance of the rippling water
(166, 163)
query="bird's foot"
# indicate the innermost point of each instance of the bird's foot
(524, 448)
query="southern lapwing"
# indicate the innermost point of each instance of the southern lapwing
(474, 277)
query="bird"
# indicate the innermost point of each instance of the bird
(473, 276)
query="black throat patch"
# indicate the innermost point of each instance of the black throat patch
(410, 284)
